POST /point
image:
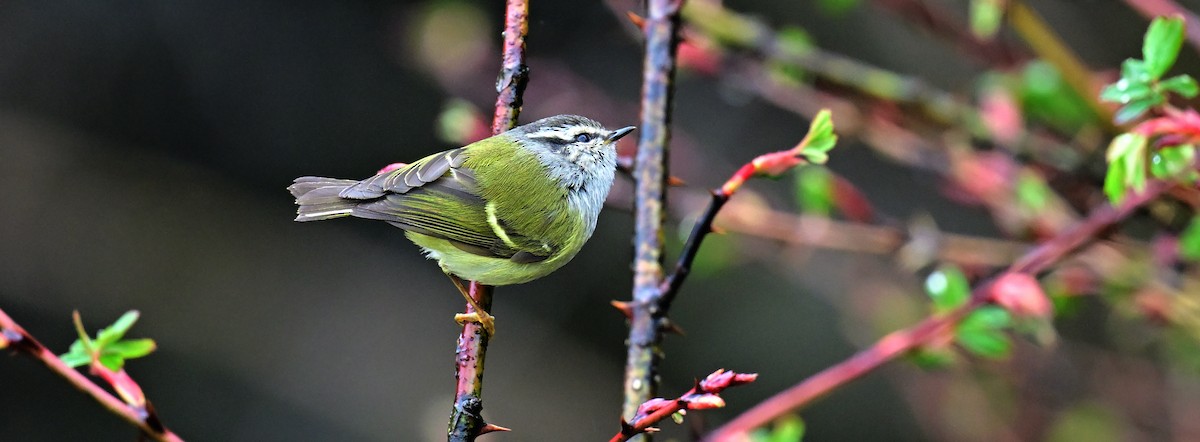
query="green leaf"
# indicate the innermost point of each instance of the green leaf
(1182, 84)
(982, 332)
(1136, 108)
(1135, 71)
(987, 318)
(820, 138)
(1173, 161)
(132, 348)
(76, 359)
(117, 330)
(107, 348)
(986, 16)
(1114, 183)
(112, 362)
(1189, 241)
(1127, 166)
(987, 343)
(1162, 43)
(814, 190)
(948, 288)
(1125, 91)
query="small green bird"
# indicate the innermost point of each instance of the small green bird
(503, 210)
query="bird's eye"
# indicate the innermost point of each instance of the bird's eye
(583, 138)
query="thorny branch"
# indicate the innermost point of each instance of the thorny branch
(466, 420)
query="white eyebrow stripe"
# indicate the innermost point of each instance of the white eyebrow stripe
(563, 134)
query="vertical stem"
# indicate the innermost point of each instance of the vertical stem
(645, 334)
(466, 420)
(514, 74)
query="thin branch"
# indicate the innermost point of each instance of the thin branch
(13, 336)
(647, 317)
(901, 342)
(466, 419)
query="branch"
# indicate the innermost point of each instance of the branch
(901, 342)
(647, 317)
(466, 420)
(703, 396)
(514, 73)
(12, 335)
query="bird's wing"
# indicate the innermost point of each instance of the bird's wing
(404, 179)
(439, 197)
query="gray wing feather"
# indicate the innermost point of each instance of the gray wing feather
(420, 173)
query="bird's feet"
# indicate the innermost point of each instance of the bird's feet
(487, 321)
(481, 316)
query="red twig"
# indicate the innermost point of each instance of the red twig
(773, 163)
(703, 396)
(12, 335)
(899, 343)
(466, 420)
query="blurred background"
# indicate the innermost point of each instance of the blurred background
(145, 148)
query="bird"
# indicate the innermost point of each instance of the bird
(503, 210)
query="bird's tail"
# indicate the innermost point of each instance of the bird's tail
(318, 198)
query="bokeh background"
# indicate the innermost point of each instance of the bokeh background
(145, 148)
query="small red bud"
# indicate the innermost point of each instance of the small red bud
(705, 401)
(652, 405)
(776, 163)
(1021, 295)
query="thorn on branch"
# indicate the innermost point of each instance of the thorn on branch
(623, 307)
(488, 428)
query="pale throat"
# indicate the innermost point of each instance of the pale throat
(587, 174)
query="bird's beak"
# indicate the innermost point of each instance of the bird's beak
(617, 134)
